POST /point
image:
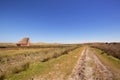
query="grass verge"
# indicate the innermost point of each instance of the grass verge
(111, 62)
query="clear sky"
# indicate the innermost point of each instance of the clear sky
(62, 21)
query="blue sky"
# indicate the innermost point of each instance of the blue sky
(62, 21)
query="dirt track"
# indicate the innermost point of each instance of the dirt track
(89, 67)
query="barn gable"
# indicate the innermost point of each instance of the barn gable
(23, 42)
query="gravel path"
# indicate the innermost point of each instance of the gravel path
(89, 67)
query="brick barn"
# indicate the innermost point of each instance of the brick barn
(23, 42)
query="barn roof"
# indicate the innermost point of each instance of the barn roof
(23, 41)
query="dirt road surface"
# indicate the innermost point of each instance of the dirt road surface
(89, 67)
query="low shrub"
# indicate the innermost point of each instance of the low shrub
(21, 68)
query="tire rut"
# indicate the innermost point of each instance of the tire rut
(78, 71)
(89, 67)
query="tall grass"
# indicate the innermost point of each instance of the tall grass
(54, 69)
(16, 61)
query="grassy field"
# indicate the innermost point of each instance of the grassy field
(56, 68)
(17, 60)
(112, 63)
(49, 62)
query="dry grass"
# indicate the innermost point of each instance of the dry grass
(17, 60)
(112, 63)
(109, 48)
(55, 69)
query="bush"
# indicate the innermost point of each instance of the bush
(19, 69)
(55, 55)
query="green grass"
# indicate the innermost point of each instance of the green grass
(112, 63)
(62, 65)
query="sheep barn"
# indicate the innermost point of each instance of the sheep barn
(23, 42)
